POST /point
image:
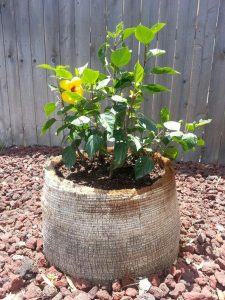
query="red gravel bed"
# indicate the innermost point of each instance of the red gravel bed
(198, 274)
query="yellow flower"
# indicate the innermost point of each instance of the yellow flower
(73, 85)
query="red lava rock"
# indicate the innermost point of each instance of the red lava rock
(59, 296)
(82, 284)
(16, 283)
(61, 283)
(221, 263)
(194, 296)
(33, 292)
(93, 292)
(170, 282)
(2, 246)
(41, 260)
(39, 245)
(154, 279)
(69, 298)
(52, 270)
(212, 281)
(145, 296)
(82, 296)
(103, 295)
(178, 290)
(206, 292)
(220, 276)
(209, 267)
(31, 243)
(65, 292)
(201, 280)
(118, 295)
(156, 292)
(49, 292)
(163, 287)
(132, 292)
(201, 238)
(126, 298)
(116, 286)
(2, 293)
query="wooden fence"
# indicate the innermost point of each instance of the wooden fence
(70, 31)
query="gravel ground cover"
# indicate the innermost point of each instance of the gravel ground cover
(198, 273)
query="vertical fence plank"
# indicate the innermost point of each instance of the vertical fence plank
(166, 41)
(25, 71)
(183, 58)
(67, 33)
(216, 103)
(149, 17)
(131, 18)
(11, 61)
(114, 14)
(51, 23)
(36, 15)
(202, 63)
(5, 122)
(98, 30)
(82, 32)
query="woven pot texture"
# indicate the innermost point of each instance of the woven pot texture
(101, 235)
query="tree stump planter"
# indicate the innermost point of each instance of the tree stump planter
(102, 234)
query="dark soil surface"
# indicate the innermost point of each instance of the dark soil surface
(95, 173)
(198, 273)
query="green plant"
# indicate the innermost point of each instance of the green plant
(98, 109)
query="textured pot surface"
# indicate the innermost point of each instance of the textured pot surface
(103, 234)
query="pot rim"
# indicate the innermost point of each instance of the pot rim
(62, 183)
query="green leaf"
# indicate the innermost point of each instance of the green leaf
(154, 88)
(74, 96)
(62, 73)
(144, 34)
(119, 28)
(118, 98)
(164, 115)
(200, 142)
(164, 70)
(82, 120)
(60, 129)
(93, 144)
(172, 125)
(135, 140)
(203, 122)
(47, 125)
(121, 57)
(46, 66)
(171, 152)
(143, 166)
(138, 73)
(49, 108)
(190, 140)
(103, 83)
(120, 148)
(157, 27)
(190, 126)
(127, 32)
(69, 156)
(90, 76)
(155, 52)
(107, 120)
(81, 69)
(147, 123)
(102, 54)
(125, 80)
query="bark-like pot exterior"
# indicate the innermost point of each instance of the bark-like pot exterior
(102, 234)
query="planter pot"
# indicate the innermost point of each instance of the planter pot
(102, 234)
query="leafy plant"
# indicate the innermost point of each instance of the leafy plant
(94, 109)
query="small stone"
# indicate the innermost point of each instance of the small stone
(209, 268)
(201, 238)
(103, 295)
(201, 280)
(145, 296)
(49, 292)
(212, 281)
(156, 292)
(59, 296)
(221, 263)
(220, 276)
(2, 293)
(69, 298)
(178, 290)
(39, 245)
(170, 282)
(194, 296)
(116, 286)
(41, 260)
(118, 295)
(61, 283)
(65, 292)
(126, 298)
(164, 289)
(16, 283)
(126, 280)
(132, 292)
(82, 284)
(31, 243)
(82, 296)
(154, 279)
(33, 291)
(93, 292)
